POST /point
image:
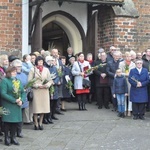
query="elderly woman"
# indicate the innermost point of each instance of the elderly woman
(78, 71)
(139, 79)
(13, 96)
(4, 63)
(41, 98)
(26, 64)
(125, 67)
(23, 78)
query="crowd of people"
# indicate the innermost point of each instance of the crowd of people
(112, 77)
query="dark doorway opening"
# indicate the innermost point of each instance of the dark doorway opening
(55, 37)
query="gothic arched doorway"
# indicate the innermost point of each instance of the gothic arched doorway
(61, 30)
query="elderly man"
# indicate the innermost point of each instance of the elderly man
(112, 49)
(69, 55)
(139, 79)
(101, 82)
(112, 66)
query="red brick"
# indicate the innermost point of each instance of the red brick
(8, 23)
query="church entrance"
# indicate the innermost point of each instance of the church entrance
(60, 30)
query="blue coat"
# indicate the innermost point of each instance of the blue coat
(120, 85)
(65, 91)
(53, 70)
(139, 94)
(24, 80)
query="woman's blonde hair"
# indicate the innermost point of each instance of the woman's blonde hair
(127, 54)
(2, 58)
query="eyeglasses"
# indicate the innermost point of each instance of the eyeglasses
(139, 63)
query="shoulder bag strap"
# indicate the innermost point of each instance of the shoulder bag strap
(80, 67)
(34, 73)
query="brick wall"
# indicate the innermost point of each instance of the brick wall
(126, 37)
(10, 25)
(143, 24)
(106, 27)
(123, 32)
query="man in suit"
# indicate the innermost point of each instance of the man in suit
(101, 78)
(69, 55)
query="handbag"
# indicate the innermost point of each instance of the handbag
(85, 82)
(30, 95)
(30, 92)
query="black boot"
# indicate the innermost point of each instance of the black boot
(83, 106)
(13, 136)
(1, 127)
(19, 130)
(90, 98)
(7, 139)
(53, 117)
(80, 105)
(49, 119)
(45, 119)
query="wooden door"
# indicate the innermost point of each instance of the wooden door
(91, 36)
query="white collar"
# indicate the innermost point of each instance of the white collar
(139, 70)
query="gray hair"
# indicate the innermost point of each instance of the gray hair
(116, 53)
(89, 54)
(69, 48)
(16, 62)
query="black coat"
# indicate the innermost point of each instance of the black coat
(112, 66)
(92, 79)
(99, 82)
(146, 63)
(109, 57)
(67, 59)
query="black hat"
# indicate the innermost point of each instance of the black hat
(12, 58)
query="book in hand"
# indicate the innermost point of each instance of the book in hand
(85, 70)
(103, 80)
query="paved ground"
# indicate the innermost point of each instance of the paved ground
(87, 130)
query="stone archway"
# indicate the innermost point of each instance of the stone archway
(70, 25)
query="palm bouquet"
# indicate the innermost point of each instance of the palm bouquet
(30, 83)
(133, 78)
(69, 85)
(16, 88)
(4, 111)
(127, 68)
(52, 76)
(51, 90)
(60, 73)
(94, 68)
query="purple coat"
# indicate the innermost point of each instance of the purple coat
(139, 94)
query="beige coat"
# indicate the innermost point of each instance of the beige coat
(122, 65)
(41, 98)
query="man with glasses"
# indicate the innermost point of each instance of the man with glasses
(139, 79)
